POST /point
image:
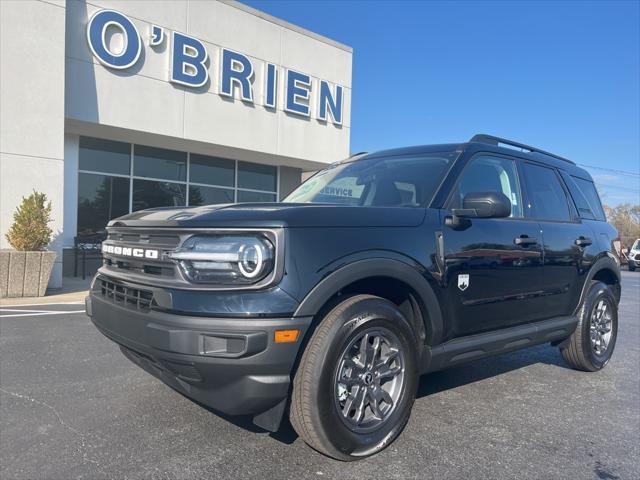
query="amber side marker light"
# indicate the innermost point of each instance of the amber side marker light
(286, 336)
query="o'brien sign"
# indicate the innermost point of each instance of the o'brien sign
(188, 67)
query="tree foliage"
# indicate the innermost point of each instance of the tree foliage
(626, 219)
(30, 229)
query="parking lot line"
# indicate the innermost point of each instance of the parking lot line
(78, 302)
(44, 312)
(2, 309)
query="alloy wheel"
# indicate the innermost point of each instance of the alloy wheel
(369, 379)
(600, 326)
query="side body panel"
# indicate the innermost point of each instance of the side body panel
(565, 265)
(489, 282)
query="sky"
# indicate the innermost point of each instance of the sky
(562, 76)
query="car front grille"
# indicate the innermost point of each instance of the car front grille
(160, 268)
(156, 238)
(120, 294)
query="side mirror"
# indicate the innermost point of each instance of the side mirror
(486, 205)
(480, 205)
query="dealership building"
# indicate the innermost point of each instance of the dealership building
(114, 106)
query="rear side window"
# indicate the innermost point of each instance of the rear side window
(584, 209)
(547, 199)
(589, 191)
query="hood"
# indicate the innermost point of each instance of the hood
(260, 215)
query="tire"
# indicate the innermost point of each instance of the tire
(632, 268)
(319, 399)
(579, 349)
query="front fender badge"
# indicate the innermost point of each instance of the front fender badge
(463, 281)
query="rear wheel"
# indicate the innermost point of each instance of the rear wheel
(356, 383)
(591, 345)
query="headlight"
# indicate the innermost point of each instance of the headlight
(226, 259)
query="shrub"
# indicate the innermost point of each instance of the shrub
(30, 230)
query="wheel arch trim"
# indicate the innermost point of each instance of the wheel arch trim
(357, 270)
(603, 263)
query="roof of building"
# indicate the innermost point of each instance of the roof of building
(290, 26)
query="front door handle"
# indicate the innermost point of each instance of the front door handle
(583, 241)
(525, 240)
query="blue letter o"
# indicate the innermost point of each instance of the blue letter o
(96, 30)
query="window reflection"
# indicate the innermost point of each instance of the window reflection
(107, 188)
(199, 195)
(547, 199)
(104, 156)
(100, 199)
(151, 193)
(212, 170)
(257, 177)
(159, 163)
(255, 196)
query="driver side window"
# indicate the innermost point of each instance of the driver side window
(490, 174)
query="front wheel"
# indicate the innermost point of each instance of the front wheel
(591, 345)
(357, 379)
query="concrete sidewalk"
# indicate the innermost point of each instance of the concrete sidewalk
(73, 290)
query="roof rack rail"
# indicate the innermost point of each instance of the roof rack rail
(492, 140)
(358, 154)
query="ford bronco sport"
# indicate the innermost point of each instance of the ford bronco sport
(382, 267)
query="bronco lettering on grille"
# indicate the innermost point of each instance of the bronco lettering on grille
(148, 253)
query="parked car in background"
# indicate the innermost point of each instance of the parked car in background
(633, 256)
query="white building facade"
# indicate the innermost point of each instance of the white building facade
(114, 106)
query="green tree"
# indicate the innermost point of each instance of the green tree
(30, 229)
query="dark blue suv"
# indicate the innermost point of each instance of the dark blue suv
(379, 268)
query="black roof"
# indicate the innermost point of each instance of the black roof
(493, 144)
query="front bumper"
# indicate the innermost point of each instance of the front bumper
(232, 365)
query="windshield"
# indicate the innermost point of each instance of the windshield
(399, 181)
(636, 245)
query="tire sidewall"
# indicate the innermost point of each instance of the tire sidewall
(362, 315)
(598, 291)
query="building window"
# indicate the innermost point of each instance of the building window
(207, 175)
(100, 198)
(117, 178)
(245, 196)
(154, 193)
(200, 195)
(105, 195)
(257, 177)
(97, 155)
(212, 170)
(151, 162)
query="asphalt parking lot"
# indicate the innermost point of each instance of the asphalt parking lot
(71, 406)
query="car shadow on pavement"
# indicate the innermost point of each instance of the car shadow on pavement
(285, 434)
(479, 370)
(432, 383)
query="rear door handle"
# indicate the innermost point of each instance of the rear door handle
(525, 240)
(583, 241)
